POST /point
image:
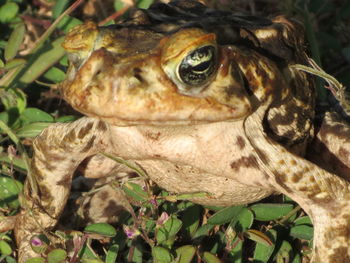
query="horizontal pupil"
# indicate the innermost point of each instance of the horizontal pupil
(197, 66)
(202, 66)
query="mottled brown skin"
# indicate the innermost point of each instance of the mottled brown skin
(240, 136)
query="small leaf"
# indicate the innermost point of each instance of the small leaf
(137, 254)
(30, 115)
(210, 258)
(302, 231)
(8, 11)
(5, 248)
(135, 191)
(185, 254)
(14, 99)
(225, 215)
(237, 251)
(10, 260)
(103, 229)
(68, 118)
(42, 61)
(168, 230)
(68, 23)
(258, 237)
(203, 231)
(304, 220)
(9, 189)
(244, 220)
(296, 259)
(13, 63)
(267, 212)
(112, 254)
(86, 254)
(262, 253)
(161, 255)
(35, 260)
(59, 7)
(91, 260)
(14, 42)
(190, 219)
(144, 3)
(31, 130)
(55, 75)
(285, 252)
(56, 256)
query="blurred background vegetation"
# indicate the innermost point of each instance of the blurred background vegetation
(168, 228)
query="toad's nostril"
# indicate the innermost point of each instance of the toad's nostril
(138, 74)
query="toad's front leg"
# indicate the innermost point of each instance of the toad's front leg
(58, 151)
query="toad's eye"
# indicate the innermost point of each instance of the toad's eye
(197, 67)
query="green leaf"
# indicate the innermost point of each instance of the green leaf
(68, 23)
(302, 231)
(258, 237)
(5, 248)
(144, 3)
(59, 7)
(262, 253)
(296, 259)
(225, 215)
(10, 260)
(203, 231)
(112, 254)
(91, 260)
(13, 63)
(35, 260)
(56, 256)
(31, 130)
(55, 75)
(135, 191)
(284, 254)
(190, 219)
(68, 118)
(87, 255)
(267, 212)
(161, 255)
(30, 115)
(13, 99)
(304, 220)
(168, 230)
(185, 254)
(16, 162)
(236, 252)
(8, 11)
(210, 258)
(118, 5)
(42, 61)
(137, 254)
(244, 220)
(103, 229)
(9, 189)
(15, 41)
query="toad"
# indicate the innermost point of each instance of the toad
(203, 101)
